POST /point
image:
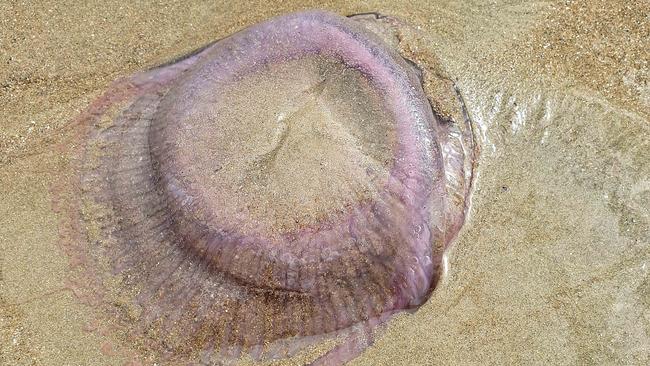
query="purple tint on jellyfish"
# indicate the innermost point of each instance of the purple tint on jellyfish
(283, 186)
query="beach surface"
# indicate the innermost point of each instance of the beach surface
(553, 264)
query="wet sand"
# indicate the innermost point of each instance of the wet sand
(552, 265)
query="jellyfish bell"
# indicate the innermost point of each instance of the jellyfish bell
(287, 184)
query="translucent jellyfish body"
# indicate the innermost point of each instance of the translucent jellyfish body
(287, 184)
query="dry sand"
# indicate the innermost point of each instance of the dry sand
(553, 264)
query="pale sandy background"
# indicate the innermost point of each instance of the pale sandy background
(553, 265)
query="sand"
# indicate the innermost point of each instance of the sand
(553, 264)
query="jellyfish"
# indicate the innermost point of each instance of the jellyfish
(292, 183)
